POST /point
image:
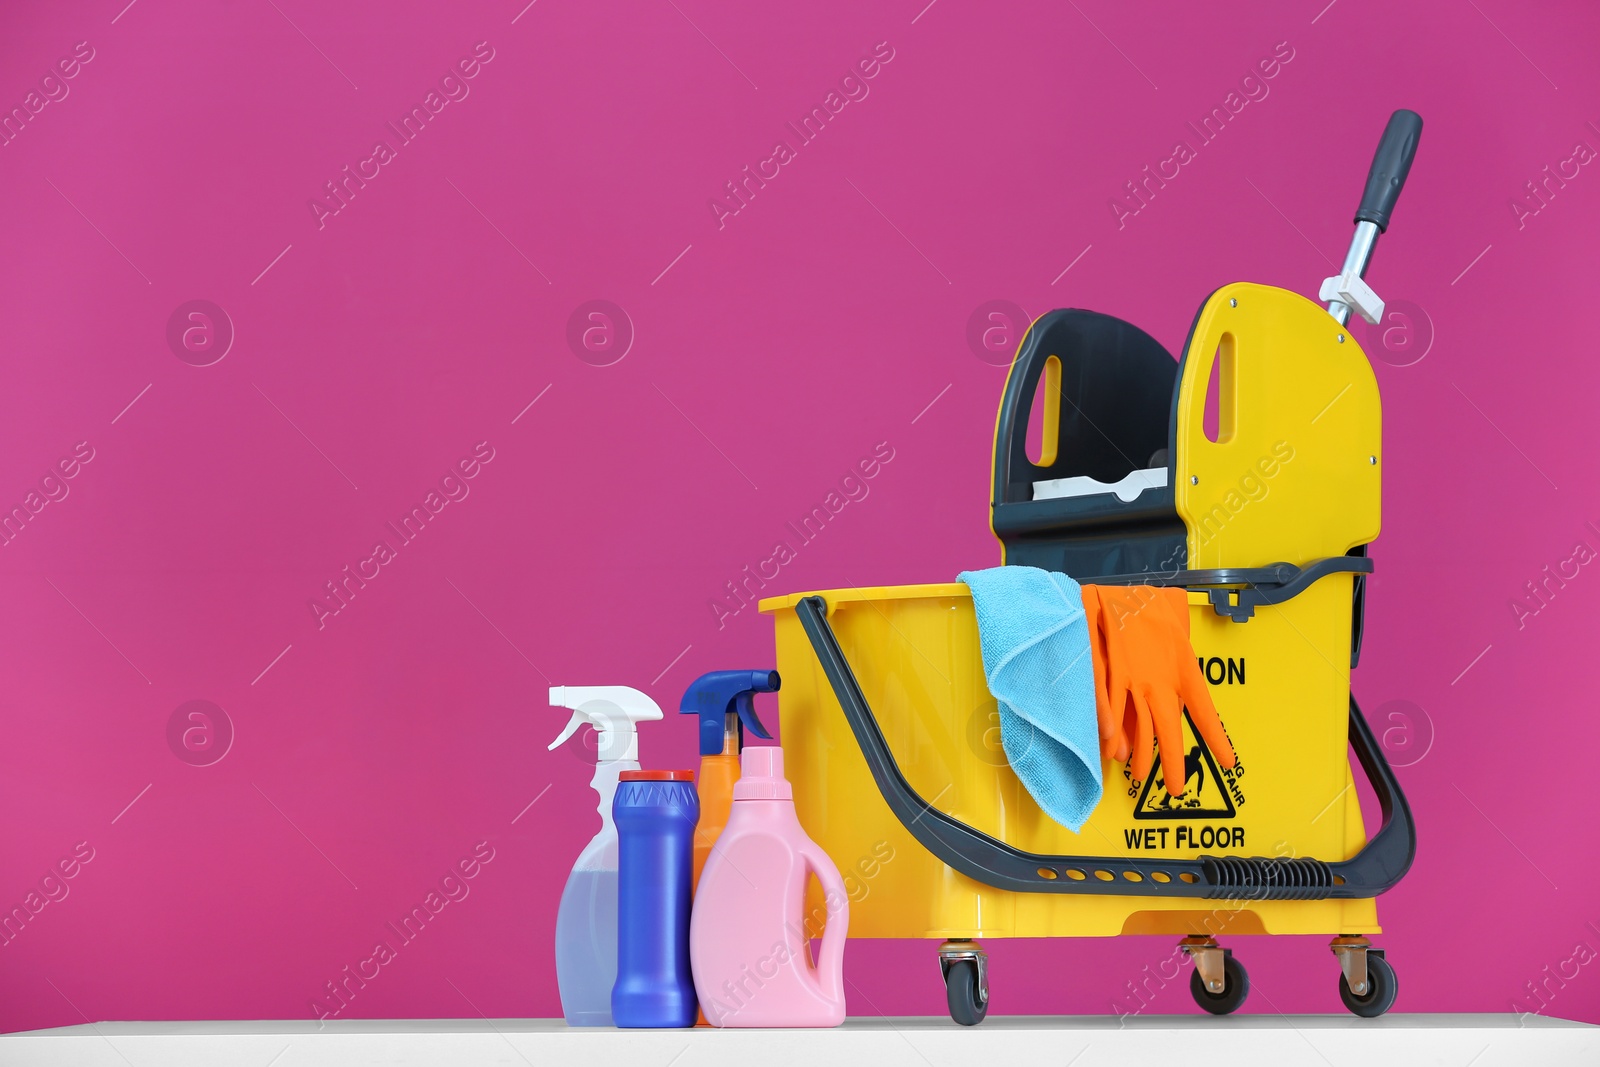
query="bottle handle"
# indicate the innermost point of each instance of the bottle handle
(830, 958)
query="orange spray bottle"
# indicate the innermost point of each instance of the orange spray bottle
(724, 701)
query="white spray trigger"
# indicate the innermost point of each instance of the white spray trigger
(614, 710)
(573, 723)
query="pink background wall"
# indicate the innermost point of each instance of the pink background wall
(373, 349)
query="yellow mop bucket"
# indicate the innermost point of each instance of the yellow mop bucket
(1249, 474)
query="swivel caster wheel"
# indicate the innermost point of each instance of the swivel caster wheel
(1381, 990)
(1235, 987)
(1366, 981)
(966, 981)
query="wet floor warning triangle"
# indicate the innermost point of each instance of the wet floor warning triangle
(1205, 794)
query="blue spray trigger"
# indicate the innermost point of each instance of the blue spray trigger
(745, 705)
(716, 694)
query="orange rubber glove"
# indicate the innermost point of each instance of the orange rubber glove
(1113, 739)
(1151, 675)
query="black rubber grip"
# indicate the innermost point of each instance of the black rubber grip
(1281, 878)
(1390, 165)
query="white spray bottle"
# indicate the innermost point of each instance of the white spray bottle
(586, 924)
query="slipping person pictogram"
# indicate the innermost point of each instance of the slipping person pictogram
(1204, 795)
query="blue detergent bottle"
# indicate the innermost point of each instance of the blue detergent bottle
(586, 924)
(655, 814)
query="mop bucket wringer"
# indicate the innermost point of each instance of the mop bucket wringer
(1260, 500)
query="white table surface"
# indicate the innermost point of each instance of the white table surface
(1015, 1041)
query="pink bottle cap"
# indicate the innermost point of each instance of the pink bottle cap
(761, 775)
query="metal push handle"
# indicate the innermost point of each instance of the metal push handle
(1375, 869)
(1386, 177)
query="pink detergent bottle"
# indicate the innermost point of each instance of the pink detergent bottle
(748, 944)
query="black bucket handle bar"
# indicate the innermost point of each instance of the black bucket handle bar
(1375, 869)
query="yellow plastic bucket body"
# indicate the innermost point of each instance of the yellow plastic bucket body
(1292, 476)
(915, 651)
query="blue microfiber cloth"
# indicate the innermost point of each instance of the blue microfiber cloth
(1035, 641)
